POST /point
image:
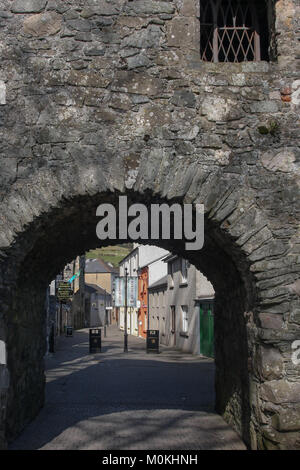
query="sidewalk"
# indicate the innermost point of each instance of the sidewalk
(116, 400)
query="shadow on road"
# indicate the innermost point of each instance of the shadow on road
(123, 401)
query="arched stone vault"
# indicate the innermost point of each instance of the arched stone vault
(111, 99)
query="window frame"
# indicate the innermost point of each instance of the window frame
(216, 45)
(184, 271)
(184, 319)
(171, 273)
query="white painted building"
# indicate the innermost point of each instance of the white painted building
(141, 255)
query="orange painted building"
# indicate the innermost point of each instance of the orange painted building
(143, 283)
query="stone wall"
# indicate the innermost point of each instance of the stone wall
(104, 98)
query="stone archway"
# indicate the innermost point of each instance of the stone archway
(248, 363)
(110, 100)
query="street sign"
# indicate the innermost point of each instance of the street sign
(119, 291)
(64, 291)
(132, 291)
(74, 277)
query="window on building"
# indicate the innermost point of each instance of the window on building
(184, 270)
(171, 272)
(184, 319)
(163, 326)
(173, 319)
(234, 30)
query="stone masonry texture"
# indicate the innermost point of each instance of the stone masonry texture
(101, 98)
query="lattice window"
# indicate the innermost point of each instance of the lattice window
(233, 30)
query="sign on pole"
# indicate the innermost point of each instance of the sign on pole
(119, 292)
(132, 291)
(64, 291)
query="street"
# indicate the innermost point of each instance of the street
(133, 401)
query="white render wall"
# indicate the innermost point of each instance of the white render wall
(157, 270)
(145, 255)
(131, 263)
(204, 288)
(150, 253)
(179, 293)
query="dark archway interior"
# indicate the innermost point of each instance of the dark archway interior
(58, 237)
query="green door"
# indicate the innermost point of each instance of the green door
(206, 329)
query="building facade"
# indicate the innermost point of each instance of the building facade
(144, 262)
(100, 273)
(129, 263)
(176, 303)
(97, 306)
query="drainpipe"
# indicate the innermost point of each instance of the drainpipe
(148, 310)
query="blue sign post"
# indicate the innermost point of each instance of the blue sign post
(74, 277)
(126, 295)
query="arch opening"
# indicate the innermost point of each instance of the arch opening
(56, 238)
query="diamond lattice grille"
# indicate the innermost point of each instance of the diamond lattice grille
(229, 31)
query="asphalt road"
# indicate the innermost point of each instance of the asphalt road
(133, 401)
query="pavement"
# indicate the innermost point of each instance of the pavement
(126, 401)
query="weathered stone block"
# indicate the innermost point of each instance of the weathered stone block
(58, 5)
(43, 24)
(138, 61)
(182, 32)
(255, 67)
(56, 135)
(283, 160)
(87, 79)
(287, 419)
(295, 316)
(105, 115)
(272, 248)
(189, 8)
(138, 83)
(184, 98)
(79, 24)
(120, 101)
(190, 133)
(149, 7)
(270, 363)
(256, 240)
(100, 8)
(94, 52)
(296, 93)
(280, 391)
(264, 107)
(149, 37)
(270, 320)
(169, 58)
(2, 92)
(28, 6)
(151, 116)
(8, 170)
(220, 109)
(5, 14)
